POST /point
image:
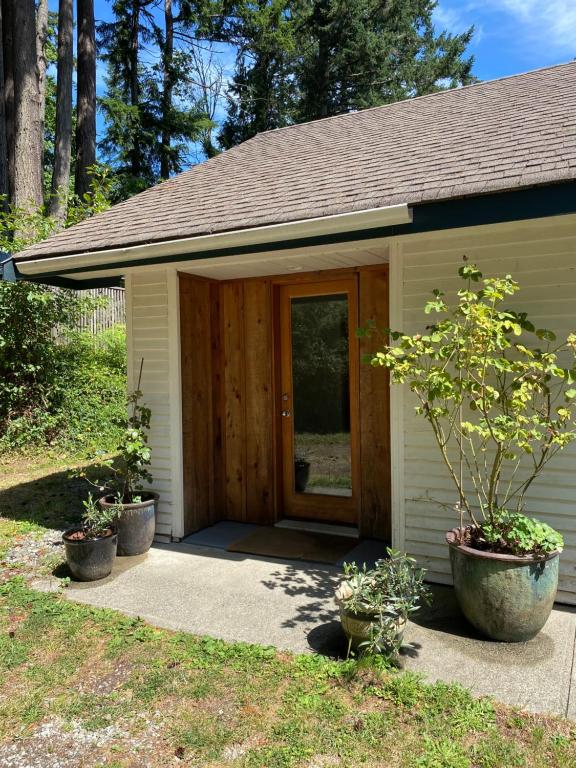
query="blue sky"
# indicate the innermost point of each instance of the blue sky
(513, 36)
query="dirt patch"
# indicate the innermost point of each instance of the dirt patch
(102, 681)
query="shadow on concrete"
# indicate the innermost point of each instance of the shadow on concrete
(308, 581)
(328, 639)
(444, 615)
(121, 565)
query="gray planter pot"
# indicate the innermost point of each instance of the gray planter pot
(505, 597)
(90, 559)
(136, 524)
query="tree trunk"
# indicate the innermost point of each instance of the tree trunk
(86, 99)
(28, 139)
(41, 39)
(136, 153)
(63, 141)
(7, 49)
(168, 75)
(4, 191)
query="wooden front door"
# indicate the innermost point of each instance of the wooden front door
(319, 382)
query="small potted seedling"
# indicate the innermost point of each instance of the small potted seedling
(375, 603)
(91, 547)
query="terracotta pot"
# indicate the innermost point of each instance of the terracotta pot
(136, 523)
(90, 559)
(507, 598)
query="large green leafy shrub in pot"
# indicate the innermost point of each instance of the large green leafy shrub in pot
(498, 394)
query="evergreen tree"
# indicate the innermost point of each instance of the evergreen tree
(62, 152)
(86, 98)
(150, 114)
(262, 91)
(127, 143)
(371, 52)
(301, 60)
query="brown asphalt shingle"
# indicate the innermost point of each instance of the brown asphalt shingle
(495, 136)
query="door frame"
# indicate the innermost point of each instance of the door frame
(315, 507)
(205, 401)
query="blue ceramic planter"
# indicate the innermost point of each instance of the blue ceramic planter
(505, 597)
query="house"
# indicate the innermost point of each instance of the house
(247, 276)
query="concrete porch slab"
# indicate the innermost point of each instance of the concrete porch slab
(208, 591)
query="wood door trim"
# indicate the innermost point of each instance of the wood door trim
(344, 509)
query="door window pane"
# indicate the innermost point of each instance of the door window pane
(321, 395)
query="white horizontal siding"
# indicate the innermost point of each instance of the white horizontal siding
(152, 327)
(541, 256)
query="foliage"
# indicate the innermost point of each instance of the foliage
(130, 467)
(29, 354)
(262, 92)
(518, 534)
(93, 401)
(147, 104)
(68, 392)
(52, 386)
(389, 592)
(96, 519)
(23, 226)
(499, 395)
(307, 59)
(371, 52)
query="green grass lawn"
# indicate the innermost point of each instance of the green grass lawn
(140, 696)
(89, 687)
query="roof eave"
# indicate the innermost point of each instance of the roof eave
(325, 225)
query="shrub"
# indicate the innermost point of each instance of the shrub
(74, 397)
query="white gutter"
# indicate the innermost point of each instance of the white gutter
(324, 225)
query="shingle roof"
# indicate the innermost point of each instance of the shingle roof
(494, 136)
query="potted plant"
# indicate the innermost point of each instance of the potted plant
(136, 509)
(375, 603)
(498, 394)
(91, 547)
(301, 473)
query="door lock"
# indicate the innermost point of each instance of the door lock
(286, 414)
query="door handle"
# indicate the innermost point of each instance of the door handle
(286, 414)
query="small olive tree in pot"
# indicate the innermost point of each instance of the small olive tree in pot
(498, 394)
(136, 508)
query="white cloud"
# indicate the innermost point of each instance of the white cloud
(546, 22)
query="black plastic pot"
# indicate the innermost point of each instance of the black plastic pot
(136, 523)
(90, 559)
(301, 475)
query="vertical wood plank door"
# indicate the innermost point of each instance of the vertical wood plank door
(319, 400)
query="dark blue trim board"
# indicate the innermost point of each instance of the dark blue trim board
(10, 273)
(532, 203)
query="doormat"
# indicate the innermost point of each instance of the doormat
(294, 545)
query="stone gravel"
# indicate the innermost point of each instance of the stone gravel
(32, 550)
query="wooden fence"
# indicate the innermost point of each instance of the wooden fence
(112, 313)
